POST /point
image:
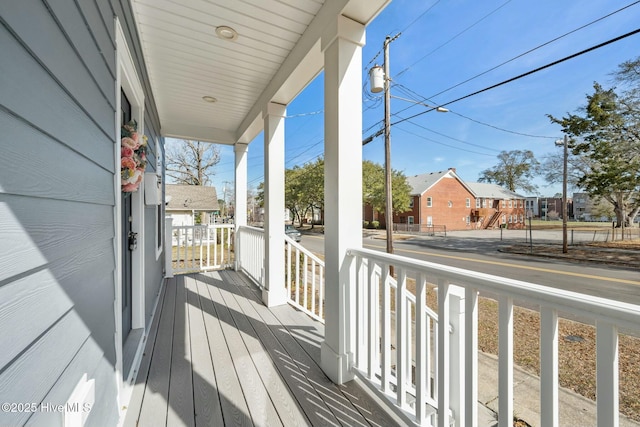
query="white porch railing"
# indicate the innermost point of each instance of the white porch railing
(450, 356)
(250, 250)
(304, 277)
(304, 272)
(201, 247)
(425, 361)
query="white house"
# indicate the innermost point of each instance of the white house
(184, 202)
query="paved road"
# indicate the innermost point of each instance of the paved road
(479, 252)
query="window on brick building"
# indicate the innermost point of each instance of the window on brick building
(429, 202)
(468, 202)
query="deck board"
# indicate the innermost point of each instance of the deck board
(180, 410)
(286, 406)
(220, 357)
(140, 383)
(154, 404)
(206, 400)
(234, 408)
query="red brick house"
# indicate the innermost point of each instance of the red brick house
(497, 207)
(443, 201)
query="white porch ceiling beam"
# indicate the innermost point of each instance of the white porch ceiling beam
(198, 133)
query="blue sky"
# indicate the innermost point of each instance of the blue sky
(442, 44)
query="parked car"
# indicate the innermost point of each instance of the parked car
(292, 232)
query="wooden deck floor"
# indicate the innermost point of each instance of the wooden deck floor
(216, 356)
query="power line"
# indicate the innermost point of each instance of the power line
(420, 16)
(407, 90)
(503, 130)
(536, 48)
(566, 58)
(452, 138)
(442, 143)
(455, 37)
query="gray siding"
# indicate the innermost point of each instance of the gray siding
(57, 216)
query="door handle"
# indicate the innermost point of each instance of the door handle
(133, 240)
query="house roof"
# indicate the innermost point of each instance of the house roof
(191, 197)
(421, 183)
(492, 191)
(211, 84)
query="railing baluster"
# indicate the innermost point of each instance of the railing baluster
(215, 246)
(193, 247)
(607, 390)
(471, 357)
(297, 276)
(373, 346)
(443, 366)
(409, 343)
(321, 299)
(401, 339)
(361, 333)
(386, 329)
(313, 286)
(549, 367)
(288, 271)
(505, 362)
(422, 355)
(305, 280)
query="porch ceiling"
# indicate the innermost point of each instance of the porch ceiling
(276, 54)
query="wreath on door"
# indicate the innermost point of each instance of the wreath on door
(133, 157)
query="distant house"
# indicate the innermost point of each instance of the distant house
(497, 206)
(443, 201)
(186, 202)
(532, 206)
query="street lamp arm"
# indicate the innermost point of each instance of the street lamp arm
(433, 107)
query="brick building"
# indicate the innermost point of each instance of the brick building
(443, 201)
(496, 206)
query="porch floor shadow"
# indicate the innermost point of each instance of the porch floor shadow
(216, 356)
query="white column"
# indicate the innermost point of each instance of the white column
(168, 247)
(240, 215)
(274, 292)
(342, 46)
(240, 196)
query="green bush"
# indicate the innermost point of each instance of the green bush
(374, 224)
(365, 224)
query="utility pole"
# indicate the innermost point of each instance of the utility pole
(564, 194)
(388, 212)
(378, 84)
(565, 147)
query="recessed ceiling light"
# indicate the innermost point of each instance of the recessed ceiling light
(209, 99)
(226, 33)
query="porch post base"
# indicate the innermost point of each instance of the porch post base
(335, 365)
(274, 297)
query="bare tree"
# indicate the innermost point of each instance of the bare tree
(192, 162)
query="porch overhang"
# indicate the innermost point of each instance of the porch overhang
(276, 55)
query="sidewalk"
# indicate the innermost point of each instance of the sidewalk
(575, 410)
